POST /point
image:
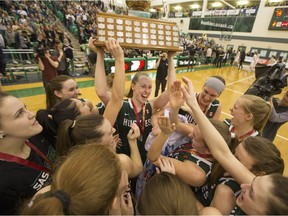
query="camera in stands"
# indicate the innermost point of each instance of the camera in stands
(40, 51)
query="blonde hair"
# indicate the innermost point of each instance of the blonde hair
(166, 194)
(89, 176)
(259, 108)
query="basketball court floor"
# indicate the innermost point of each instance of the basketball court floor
(237, 82)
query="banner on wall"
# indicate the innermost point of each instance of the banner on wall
(233, 12)
(236, 24)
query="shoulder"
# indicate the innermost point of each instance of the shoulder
(126, 162)
(209, 211)
(215, 103)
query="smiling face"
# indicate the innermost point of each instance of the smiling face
(142, 89)
(239, 115)
(16, 120)
(69, 90)
(253, 199)
(207, 96)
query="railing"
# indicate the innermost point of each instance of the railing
(19, 55)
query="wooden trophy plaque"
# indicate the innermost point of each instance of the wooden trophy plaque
(137, 32)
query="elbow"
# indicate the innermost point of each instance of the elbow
(152, 158)
(137, 170)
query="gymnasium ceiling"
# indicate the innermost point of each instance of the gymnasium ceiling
(188, 5)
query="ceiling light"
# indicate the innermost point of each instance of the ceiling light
(178, 8)
(216, 4)
(242, 2)
(273, 1)
(195, 6)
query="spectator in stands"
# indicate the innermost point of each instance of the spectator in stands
(278, 116)
(69, 51)
(2, 63)
(47, 64)
(7, 20)
(50, 36)
(15, 26)
(62, 68)
(2, 41)
(21, 11)
(10, 37)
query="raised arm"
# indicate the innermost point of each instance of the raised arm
(118, 88)
(277, 117)
(176, 100)
(100, 82)
(214, 140)
(186, 170)
(156, 147)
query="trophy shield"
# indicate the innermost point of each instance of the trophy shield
(137, 32)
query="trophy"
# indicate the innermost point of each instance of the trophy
(137, 32)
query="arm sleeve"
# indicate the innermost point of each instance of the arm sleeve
(278, 117)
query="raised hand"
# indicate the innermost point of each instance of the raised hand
(176, 97)
(114, 48)
(165, 126)
(92, 47)
(134, 132)
(189, 92)
(166, 165)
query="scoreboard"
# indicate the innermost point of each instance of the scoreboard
(279, 20)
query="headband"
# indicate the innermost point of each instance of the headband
(215, 84)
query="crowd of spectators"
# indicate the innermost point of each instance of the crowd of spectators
(82, 16)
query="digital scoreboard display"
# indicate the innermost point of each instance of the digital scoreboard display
(279, 19)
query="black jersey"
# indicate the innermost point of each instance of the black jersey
(125, 118)
(19, 182)
(212, 109)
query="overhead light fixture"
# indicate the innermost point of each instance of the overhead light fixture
(152, 10)
(274, 1)
(216, 4)
(242, 2)
(195, 6)
(178, 8)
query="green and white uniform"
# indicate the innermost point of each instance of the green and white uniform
(185, 152)
(125, 118)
